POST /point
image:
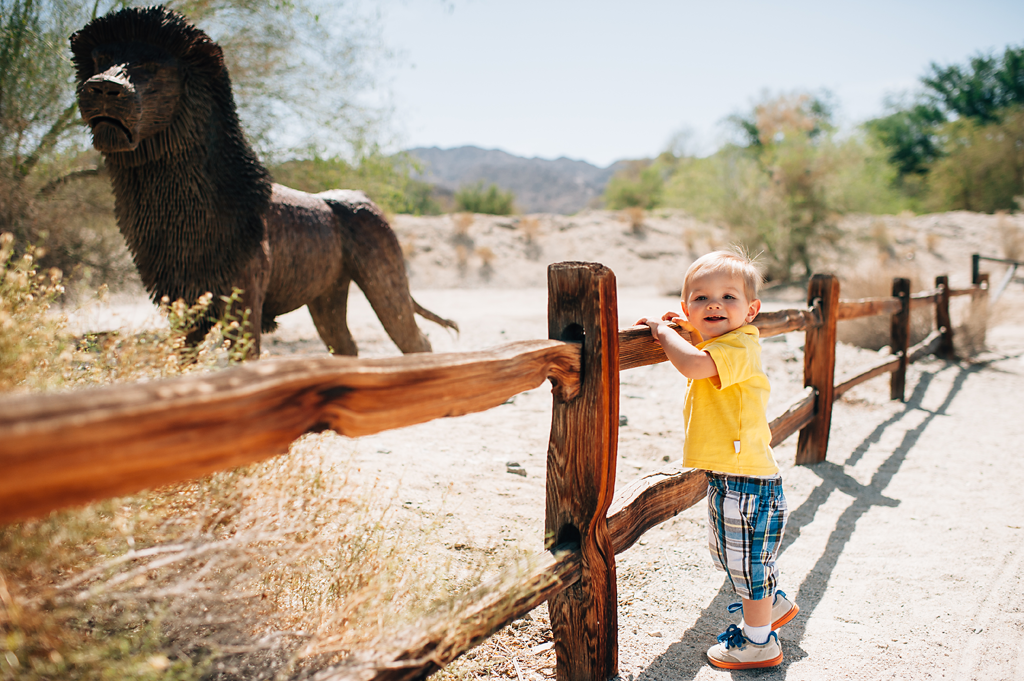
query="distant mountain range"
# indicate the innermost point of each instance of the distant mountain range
(540, 186)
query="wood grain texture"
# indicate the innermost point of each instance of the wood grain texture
(783, 321)
(819, 367)
(637, 348)
(581, 471)
(65, 449)
(427, 647)
(651, 500)
(867, 307)
(900, 338)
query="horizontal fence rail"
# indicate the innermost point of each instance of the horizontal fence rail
(64, 449)
(69, 448)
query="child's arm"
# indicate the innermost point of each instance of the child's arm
(687, 359)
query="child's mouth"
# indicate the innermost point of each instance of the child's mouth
(714, 319)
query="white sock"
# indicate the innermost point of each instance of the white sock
(758, 635)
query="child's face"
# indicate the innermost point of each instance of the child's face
(716, 304)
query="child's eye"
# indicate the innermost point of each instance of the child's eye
(701, 298)
(729, 296)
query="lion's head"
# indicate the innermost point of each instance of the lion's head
(134, 68)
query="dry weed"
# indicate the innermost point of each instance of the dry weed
(874, 333)
(272, 569)
(1011, 236)
(883, 240)
(530, 227)
(634, 216)
(487, 258)
(462, 222)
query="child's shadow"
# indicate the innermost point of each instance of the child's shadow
(687, 657)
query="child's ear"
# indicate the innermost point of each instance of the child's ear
(755, 307)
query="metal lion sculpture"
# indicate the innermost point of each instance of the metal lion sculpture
(198, 210)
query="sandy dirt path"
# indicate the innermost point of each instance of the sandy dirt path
(904, 550)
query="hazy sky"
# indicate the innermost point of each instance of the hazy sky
(600, 80)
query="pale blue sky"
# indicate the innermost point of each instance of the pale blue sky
(600, 80)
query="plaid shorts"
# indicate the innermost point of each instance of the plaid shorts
(746, 520)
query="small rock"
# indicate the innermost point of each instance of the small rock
(623, 421)
(666, 458)
(655, 634)
(515, 468)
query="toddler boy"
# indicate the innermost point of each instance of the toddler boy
(727, 435)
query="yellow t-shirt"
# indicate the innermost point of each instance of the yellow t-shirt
(726, 423)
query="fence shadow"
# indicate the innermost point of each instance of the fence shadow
(685, 658)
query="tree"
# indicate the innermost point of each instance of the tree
(781, 191)
(977, 91)
(982, 167)
(298, 76)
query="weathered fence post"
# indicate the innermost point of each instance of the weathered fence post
(978, 318)
(820, 367)
(900, 337)
(942, 320)
(582, 306)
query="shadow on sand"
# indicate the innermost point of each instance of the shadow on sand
(685, 658)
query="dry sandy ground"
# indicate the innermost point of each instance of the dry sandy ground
(904, 550)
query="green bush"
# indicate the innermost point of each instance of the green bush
(475, 198)
(782, 192)
(638, 185)
(982, 168)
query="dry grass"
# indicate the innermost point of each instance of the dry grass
(530, 227)
(266, 571)
(461, 222)
(873, 333)
(1011, 237)
(634, 216)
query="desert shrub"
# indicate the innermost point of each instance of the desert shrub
(781, 193)
(476, 198)
(1011, 237)
(874, 333)
(637, 185)
(257, 572)
(634, 216)
(982, 167)
(38, 352)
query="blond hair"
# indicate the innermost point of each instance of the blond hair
(734, 261)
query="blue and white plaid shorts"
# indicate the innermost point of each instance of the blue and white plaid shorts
(746, 520)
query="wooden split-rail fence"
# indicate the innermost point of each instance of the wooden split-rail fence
(65, 449)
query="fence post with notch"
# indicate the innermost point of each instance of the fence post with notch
(581, 461)
(900, 337)
(820, 367)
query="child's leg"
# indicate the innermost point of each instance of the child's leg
(757, 613)
(746, 518)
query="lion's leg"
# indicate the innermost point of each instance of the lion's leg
(374, 259)
(330, 315)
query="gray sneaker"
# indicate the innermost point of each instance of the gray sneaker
(783, 610)
(736, 651)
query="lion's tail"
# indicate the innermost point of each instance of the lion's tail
(437, 319)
